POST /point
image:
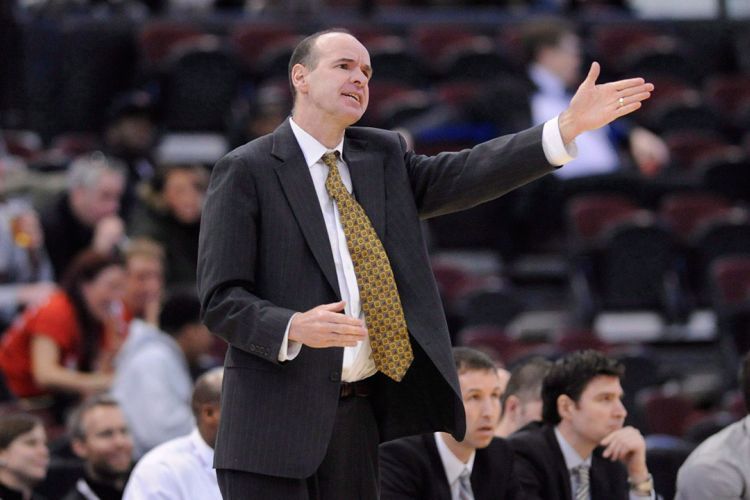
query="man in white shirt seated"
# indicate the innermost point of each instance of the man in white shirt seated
(582, 451)
(182, 469)
(436, 466)
(720, 467)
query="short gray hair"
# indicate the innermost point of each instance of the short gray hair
(207, 389)
(75, 419)
(85, 171)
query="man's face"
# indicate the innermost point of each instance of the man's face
(480, 391)
(599, 411)
(107, 446)
(100, 200)
(183, 192)
(134, 133)
(144, 281)
(196, 340)
(336, 87)
(565, 59)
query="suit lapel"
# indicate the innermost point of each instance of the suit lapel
(442, 488)
(368, 181)
(295, 179)
(561, 471)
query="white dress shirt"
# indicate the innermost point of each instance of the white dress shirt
(358, 363)
(573, 460)
(181, 469)
(452, 465)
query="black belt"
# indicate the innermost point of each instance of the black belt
(360, 388)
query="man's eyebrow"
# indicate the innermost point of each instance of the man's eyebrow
(367, 67)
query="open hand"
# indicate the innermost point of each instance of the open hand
(595, 105)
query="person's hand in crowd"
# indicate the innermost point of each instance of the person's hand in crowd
(649, 151)
(26, 226)
(109, 232)
(595, 105)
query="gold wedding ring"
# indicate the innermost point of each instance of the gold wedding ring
(620, 102)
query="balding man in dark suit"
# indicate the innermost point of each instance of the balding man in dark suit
(306, 397)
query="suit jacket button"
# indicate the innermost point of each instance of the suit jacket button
(335, 377)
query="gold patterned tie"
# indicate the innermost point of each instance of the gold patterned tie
(389, 338)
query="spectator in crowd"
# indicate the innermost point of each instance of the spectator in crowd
(719, 468)
(67, 345)
(182, 469)
(100, 437)
(85, 216)
(521, 403)
(130, 135)
(152, 378)
(270, 107)
(437, 466)
(582, 450)
(171, 216)
(26, 276)
(144, 280)
(553, 50)
(24, 456)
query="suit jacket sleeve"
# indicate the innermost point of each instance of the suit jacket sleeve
(400, 473)
(226, 264)
(449, 182)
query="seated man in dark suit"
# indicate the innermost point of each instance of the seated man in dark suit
(581, 451)
(436, 466)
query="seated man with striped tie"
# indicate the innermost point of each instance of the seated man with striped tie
(436, 466)
(581, 451)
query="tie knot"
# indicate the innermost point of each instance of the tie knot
(581, 471)
(330, 158)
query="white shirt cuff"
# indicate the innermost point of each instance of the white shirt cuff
(556, 152)
(289, 348)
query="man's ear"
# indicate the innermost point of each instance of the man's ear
(511, 404)
(564, 405)
(78, 448)
(299, 77)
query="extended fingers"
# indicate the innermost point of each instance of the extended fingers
(621, 85)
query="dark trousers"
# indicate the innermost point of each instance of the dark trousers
(349, 470)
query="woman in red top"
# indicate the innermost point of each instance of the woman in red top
(67, 345)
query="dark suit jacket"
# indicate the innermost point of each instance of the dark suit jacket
(410, 468)
(264, 254)
(540, 467)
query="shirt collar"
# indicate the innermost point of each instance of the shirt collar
(546, 81)
(204, 452)
(452, 465)
(311, 148)
(571, 456)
